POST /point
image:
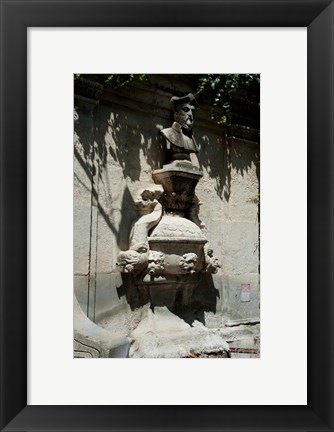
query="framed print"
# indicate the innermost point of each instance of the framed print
(19, 411)
(137, 132)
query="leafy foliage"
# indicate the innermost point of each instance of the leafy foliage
(216, 90)
(219, 91)
(113, 81)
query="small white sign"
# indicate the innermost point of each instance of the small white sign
(245, 293)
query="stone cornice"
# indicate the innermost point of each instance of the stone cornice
(154, 101)
(87, 88)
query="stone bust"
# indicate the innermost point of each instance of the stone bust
(179, 137)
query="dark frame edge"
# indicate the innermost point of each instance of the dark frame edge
(318, 416)
(320, 89)
(13, 214)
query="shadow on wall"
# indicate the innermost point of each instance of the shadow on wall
(129, 141)
(90, 170)
(232, 156)
(213, 150)
(203, 298)
(105, 135)
(122, 233)
(118, 138)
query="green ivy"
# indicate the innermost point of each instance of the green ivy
(116, 81)
(216, 90)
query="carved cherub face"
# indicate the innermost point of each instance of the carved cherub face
(184, 116)
(188, 261)
(144, 199)
(147, 199)
(156, 260)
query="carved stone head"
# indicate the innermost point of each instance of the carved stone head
(147, 199)
(184, 111)
(155, 261)
(188, 262)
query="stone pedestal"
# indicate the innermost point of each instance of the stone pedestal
(179, 180)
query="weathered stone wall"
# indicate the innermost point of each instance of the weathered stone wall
(117, 145)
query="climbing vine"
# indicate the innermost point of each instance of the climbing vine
(219, 91)
(216, 90)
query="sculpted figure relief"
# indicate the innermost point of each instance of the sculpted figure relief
(188, 262)
(179, 137)
(211, 262)
(155, 262)
(135, 259)
(167, 242)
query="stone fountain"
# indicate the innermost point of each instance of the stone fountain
(169, 252)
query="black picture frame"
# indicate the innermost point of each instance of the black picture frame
(16, 17)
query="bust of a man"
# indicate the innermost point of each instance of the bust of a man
(179, 137)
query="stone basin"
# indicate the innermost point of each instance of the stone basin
(176, 236)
